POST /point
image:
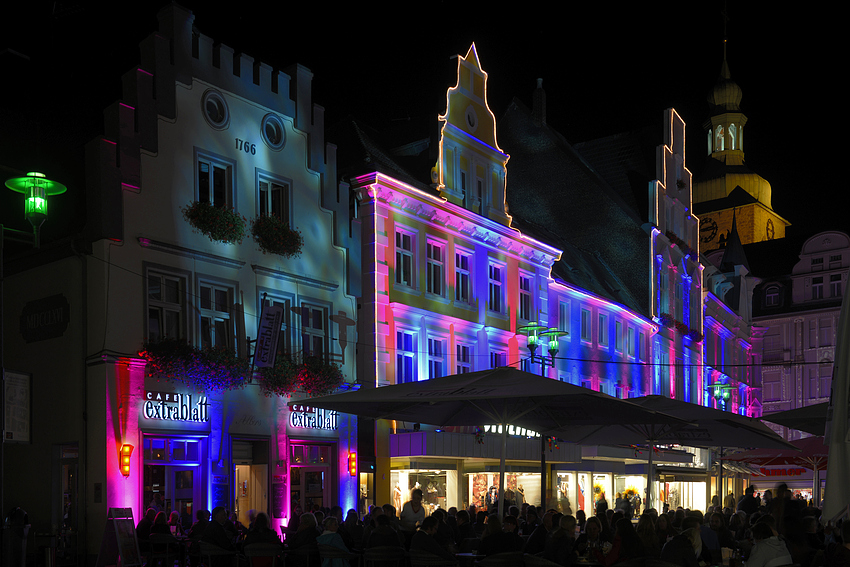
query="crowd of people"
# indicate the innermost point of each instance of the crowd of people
(774, 531)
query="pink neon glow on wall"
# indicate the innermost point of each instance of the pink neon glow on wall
(123, 391)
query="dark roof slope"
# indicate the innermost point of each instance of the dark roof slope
(553, 191)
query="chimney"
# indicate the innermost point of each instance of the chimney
(539, 104)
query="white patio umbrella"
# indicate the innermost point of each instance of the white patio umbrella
(505, 396)
(837, 482)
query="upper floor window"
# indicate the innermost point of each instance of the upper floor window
(602, 331)
(464, 358)
(405, 259)
(817, 264)
(405, 357)
(463, 263)
(585, 325)
(166, 300)
(314, 331)
(273, 198)
(834, 261)
(284, 342)
(618, 339)
(436, 357)
(817, 288)
(497, 359)
(214, 181)
(436, 253)
(771, 296)
(630, 341)
(495, 276)
(835, 285)
(215, 304)
(564, 316)
(525, 299)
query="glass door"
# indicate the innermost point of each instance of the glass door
(308, 488)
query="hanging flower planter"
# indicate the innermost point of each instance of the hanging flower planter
(210, 369)
(219, 224)
(274, 236)
(279, 380)
(317, 377)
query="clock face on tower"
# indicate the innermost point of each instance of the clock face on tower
(707, 229)
(769, 230)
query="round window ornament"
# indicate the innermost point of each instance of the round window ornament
(471, 118)
(215, 109)
(274, 134)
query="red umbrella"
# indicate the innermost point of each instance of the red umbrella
(811, 453)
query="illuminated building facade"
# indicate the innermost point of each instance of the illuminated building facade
(197, 124)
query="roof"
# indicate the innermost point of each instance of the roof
(552, 190)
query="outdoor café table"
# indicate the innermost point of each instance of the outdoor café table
(468, 558)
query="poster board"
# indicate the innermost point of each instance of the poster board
(119, 540)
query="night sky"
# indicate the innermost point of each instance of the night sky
(604, 71)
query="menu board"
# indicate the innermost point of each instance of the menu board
(119, 540)
(279, 499)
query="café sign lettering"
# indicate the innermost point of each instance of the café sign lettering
(172, 406)
(782, 472)
(307, 417)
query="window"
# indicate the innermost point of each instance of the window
(463, 261)
(525, 301)
(495, 274)
(215, 109)
(216, 302)
(405, 357)
(564, 316)
(273, 198)
(497, 359)
(436, 357)
(274, 134)
(817, 264)
(771, 296)
(214, 181)
(166, 295)
(618, 339)
(436, 253)
(603, 329)
(630, 341)
(817, 288)
(835, 285)
(585, 325)
(464, 358)
(834, 261)
(404, 258)
(314, 331)
(642, 345)
(284, 341)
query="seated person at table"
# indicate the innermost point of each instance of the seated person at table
(261, 532)
(160, 524)
(174, 520)
(768, 550)
(465, 530)
(682, 549)
(560, 548)
(383, 535)
(143, 530)
(496, 540)
(332, 538)
(536, 542)
(423, 540)
(306, 534)
(592, 536)
(216, 535)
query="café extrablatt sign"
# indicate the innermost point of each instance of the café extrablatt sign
(172, 406)
(307, 417)
(782, 472)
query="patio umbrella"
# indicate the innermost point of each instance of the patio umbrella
(709, 428)
(810, 453)
(811, 419)
(836, 434)
(504, 396)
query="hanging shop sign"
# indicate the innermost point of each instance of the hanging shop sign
(172, 406)
(45, 318)
(306, 417)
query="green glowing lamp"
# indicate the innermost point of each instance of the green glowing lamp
(531, 331)
(36, 188)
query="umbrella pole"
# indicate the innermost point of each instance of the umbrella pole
(650, 479)
(543, 472)
(502, 471)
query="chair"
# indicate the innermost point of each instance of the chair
(537, 561)
(424, 559)
(262, 554)
(332, 552)
(384, 556)
(210, 551)
(162, 550)
(506, 559)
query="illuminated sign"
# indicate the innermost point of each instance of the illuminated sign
(512, 430)
(172, 406)
(307, 417)
(781, 472)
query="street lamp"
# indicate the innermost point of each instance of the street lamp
(722, 392)
(36, 189)
(535, 332)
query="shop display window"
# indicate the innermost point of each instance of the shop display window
(438, 486)
(519, 488)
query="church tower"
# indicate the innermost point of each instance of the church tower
(726, 183)
(472, 168)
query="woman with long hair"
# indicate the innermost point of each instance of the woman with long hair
(648, 535)
(626, 545)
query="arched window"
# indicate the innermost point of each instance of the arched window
(733, 137)
(708, 142)
(719, 139)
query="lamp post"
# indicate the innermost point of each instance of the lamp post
(534, 332)
(36, 189)
(721, 392)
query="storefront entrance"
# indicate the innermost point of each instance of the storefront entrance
(250, 477)
(172, 476)
(310, 476)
